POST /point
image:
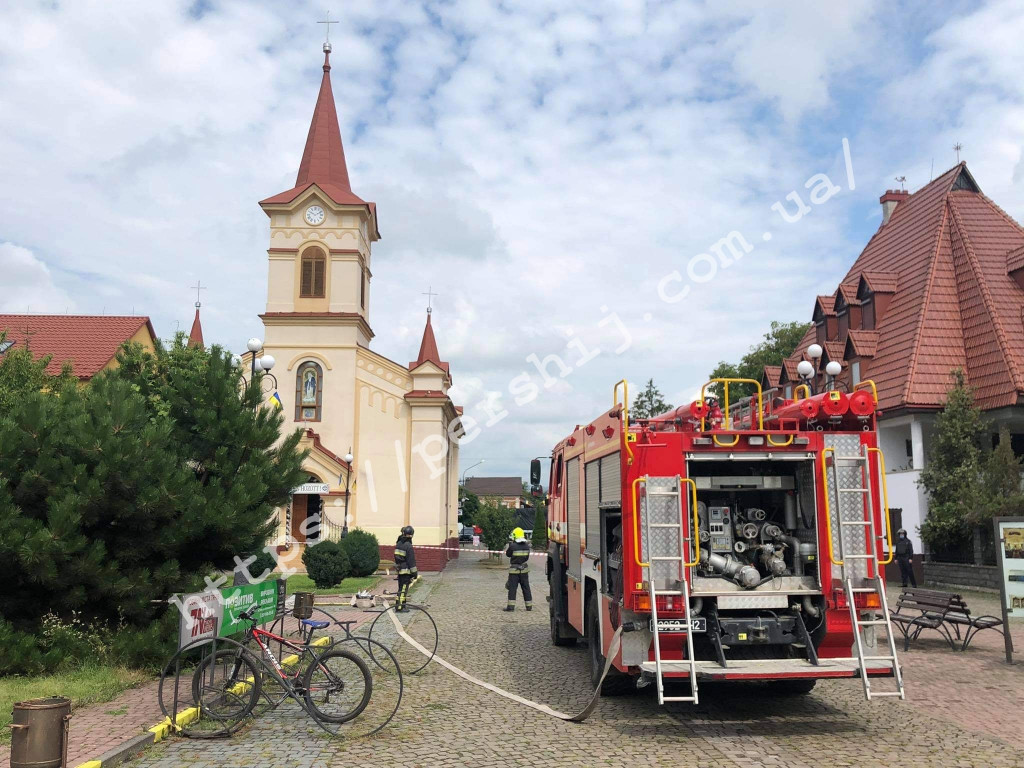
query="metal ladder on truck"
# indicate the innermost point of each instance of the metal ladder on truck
(674, 549)
(853, 583)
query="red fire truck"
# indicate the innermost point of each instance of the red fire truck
(729, 543)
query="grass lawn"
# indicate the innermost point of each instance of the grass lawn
(86, 685)
(300, 582)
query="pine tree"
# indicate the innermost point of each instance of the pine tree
(952, 477)
(1001, 480)
(21, 373)
(540, 527)
(136, 486)
(649, 402)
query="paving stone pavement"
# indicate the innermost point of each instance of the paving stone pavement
(962, 709)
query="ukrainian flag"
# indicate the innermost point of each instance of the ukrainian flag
(276, 400)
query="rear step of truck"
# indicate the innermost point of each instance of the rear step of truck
(772, 669)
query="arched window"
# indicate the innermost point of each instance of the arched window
(314, 273)
(309, 395)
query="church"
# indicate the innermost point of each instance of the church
(381, 435)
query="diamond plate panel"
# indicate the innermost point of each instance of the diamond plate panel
(572, 515)
(592, 483)
(661, 542)
(847, 506)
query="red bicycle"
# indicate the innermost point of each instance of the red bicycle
(334, 685)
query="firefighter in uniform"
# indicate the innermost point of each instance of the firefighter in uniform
(518, 553)
(405, 562)
(905, 557)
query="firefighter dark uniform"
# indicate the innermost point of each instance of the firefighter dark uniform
(518, 553)
(905, 558)
(405, 563)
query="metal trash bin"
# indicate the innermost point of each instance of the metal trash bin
(39, 733)
(303, 605)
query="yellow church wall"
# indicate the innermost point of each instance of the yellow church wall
(382, 457)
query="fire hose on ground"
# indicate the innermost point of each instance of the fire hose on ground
(577, 718)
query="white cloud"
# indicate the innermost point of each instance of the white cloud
(26, 283)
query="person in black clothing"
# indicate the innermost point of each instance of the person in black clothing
(905, 558)
(518, 552)
(405, 562)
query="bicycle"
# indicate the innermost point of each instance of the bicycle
(335, 687)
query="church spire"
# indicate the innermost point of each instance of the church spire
(195, 336)
(428, 349)
(323, 159)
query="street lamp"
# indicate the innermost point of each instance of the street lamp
(463, 483)
(349, 458)
(262, 364)
(833, 369)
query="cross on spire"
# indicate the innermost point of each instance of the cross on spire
(956, 148)
(327, 27)
(429, 293)
(198, 287)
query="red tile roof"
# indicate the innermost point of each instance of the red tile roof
(833, 351)
(89, 342)
(771, 375)
(944, 254)
(315, 437)
(862, 343)
(428, 350)
(195, 336)
(826, 305)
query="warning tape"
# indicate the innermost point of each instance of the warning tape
(472, 549)
(579, 717)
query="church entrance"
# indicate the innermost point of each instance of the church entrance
(306, 508)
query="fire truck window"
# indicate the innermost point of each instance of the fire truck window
(558, 477)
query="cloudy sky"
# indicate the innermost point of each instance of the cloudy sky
(555, 171)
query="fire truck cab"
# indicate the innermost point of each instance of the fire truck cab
(725, 543)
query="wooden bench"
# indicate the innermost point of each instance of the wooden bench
(921, 609)
(385, 566)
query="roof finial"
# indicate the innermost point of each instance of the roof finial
(902, 180)
(430, 298)
(327, 37)
(956, 148)
(198, 287)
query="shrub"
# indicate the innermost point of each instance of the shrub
(326, 564)
(264, 562)
(496, 522)
(363, 552)
(540, 527)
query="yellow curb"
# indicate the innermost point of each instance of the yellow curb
(161, 730)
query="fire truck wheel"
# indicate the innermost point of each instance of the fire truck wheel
(791, 687)
(615, 682)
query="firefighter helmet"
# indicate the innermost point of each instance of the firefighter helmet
(408, 531)
(518, 534)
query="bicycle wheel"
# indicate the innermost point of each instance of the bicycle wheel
(226, 685)
(420, 626)
(338, 686)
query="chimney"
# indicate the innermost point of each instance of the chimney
(890, 200)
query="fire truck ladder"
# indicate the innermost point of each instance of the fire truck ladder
(854, 577)
(667, 542)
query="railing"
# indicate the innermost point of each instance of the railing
(870, 502)
(865, 385)
(694, 533)
(625, 414)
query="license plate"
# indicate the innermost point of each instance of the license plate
(697, 624)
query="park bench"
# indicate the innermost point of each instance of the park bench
(385, 566)
(921, 609)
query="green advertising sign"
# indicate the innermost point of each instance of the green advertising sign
(260, 599)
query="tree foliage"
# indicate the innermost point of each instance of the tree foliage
(327, 563)
(777, 345)
(21, 374)
(119, 493)
(953, 477)
(470, 505)
(1001, 482)
(540, 526)
(363, 552)
(496, 521)
(648, 402)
